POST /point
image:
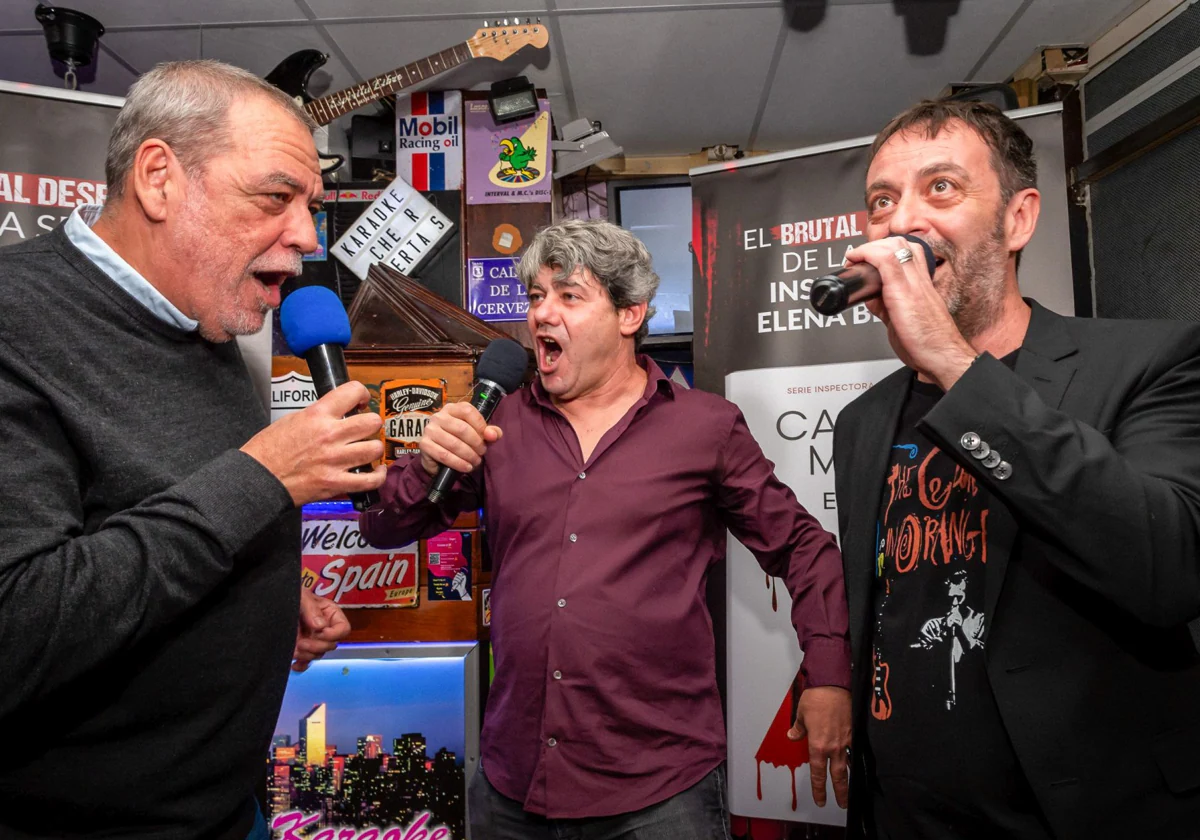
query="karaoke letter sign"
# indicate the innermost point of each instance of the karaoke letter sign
(399, 229)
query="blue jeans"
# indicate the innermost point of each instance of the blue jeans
(698, 813)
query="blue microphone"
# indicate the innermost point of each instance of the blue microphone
(316, 328)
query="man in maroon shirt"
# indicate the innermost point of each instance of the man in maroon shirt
(606, 499)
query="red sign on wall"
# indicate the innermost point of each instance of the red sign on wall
(340, 565)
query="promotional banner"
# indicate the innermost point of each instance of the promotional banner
(45, 170)
(429, 150)
(763, 230)
(510, 162)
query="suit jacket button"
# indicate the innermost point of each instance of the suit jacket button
(1002, 471)
(970, 441)
(992, 460)
(982, 452)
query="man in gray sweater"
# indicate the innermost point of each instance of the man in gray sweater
(149, 530)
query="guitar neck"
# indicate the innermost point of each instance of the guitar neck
(331, 106)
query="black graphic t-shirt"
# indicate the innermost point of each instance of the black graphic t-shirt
(944, 765)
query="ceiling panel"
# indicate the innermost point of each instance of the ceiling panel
(671, 81)
(158, 12)
(852, 73)
(1050, 22)
(18, 14)
(663, 76)
(485, 9)
(257, 49)
(24, 58)
(142, 50)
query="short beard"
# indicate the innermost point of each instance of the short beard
(238, 323)
(975, 296)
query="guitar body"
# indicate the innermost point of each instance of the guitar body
(881, 700)
(292, 74)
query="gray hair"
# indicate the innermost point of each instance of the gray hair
(615, 257)
(186, 105)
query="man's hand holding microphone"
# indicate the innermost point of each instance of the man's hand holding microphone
(327, 448)
(457, 437)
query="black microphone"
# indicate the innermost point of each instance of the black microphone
(316, 328)
(836, 292)
(500, 371)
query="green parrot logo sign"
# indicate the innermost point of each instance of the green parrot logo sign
(517, 159)
(516, 156)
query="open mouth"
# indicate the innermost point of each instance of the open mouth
(549, 352)
(272, 278)
(272, 282)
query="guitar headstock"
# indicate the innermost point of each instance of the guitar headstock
(505, 37)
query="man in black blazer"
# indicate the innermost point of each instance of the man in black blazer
(1019, 510)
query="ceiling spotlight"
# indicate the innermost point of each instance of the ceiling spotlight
(804, 15)
(926, 23)
(584, 143)
(71, 36)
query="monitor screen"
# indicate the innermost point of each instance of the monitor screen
(377, 735)
(659, 212)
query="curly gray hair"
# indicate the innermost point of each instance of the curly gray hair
(186, 105)
(615, 257)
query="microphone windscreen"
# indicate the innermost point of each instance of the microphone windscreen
(313, 315)
(503, 362)
(930, 259)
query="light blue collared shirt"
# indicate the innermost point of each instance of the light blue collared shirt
(78, 229)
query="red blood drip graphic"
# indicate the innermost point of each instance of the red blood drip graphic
(756, 828)
(776, 748)
(774, 597)
(704, 237)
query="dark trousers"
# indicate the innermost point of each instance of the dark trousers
(698, 813)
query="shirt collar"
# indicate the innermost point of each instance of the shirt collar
(656, 382)
(78, 229)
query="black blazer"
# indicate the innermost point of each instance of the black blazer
(1093, 563)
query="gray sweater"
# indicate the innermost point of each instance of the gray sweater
(149, 571)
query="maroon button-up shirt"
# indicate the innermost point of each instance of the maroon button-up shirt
(605, 696)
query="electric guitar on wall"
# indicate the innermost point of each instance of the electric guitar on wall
(497, 42)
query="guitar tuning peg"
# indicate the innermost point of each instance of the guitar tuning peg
(485, 24)
(506, 21)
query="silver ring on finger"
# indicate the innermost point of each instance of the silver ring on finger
(904, 255)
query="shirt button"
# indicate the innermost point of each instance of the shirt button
(553, 742)
(970, 441)
(582, 476)
(574, 538)
(562, 602)
(558, 675)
